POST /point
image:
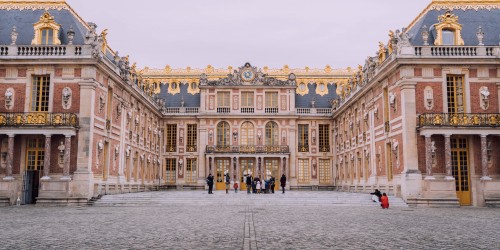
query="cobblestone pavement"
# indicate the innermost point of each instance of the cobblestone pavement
(261, 225)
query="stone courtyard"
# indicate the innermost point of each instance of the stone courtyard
(295, 220)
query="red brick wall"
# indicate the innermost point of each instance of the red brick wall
(19, 97)
(437, 96)
(75, 98)
(475, 98)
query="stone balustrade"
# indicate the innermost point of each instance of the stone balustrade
(456, 51)
(45, 51)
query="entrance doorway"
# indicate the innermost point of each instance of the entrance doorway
(460, 166)
(222, 168)
(272, 169)
(35, 152)
(247, 168)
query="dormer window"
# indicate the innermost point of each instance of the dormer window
(448, 30)
(448, 37)
(46, 31)
(47, 37)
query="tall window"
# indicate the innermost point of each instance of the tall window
(192, 137)
(303, 138)
(47, 37)
(171, 137)
(247, 134)
(303, 170)
(191, 170)
(170, 170)
(389, 161)
(247, 99)
(40, 94)
(455, 93)
(325, 173)
(223, 100)
(272, 134)
(223, 137)
(35, 152)
(324, 138)
(271, 99)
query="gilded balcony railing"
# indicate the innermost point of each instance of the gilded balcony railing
(459, 120)
(38, 119)
(248, 149)
(303, 147)
(324, 148)
(191, 148)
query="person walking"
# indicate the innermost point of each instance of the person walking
(210, 183)
(384, 201)
(283, 182)
(228, 181)
(235, 186)
(248, 181)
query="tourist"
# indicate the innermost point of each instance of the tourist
(283, 182)
(271, 181)
(384, 200)
(235, 186)
(228, 181)
(376, 196)
(249, 183)
(210, 183)
(257, 186)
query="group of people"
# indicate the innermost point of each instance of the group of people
(380, 198)
(255, 185)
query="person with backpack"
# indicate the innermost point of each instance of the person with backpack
(228, 181)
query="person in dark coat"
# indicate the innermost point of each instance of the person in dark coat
(248, 181)
(376, 196)
(283, 182)
(210, 183)
(272, 184)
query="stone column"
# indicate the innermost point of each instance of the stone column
(46, 158)
(10, 159)
(67, 150)
(447, 156)
(428, 157)
(484, 158)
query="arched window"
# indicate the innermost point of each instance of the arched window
(223, 137)
(272, 134)
(247, 134)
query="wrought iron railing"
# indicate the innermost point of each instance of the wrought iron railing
(303, 147)
(459, 120)
(38, 119)
(191, 148)
(324, 148)
(248, 149)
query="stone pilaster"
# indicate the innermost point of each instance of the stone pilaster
(10, 158)
(67, 154)
(428, 157)
(484, 158)
(46, 158)
(447, 157)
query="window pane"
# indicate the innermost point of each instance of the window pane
(448, 37)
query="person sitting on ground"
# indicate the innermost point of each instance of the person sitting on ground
(376, 196)
(384, 200)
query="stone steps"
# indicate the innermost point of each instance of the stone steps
(318, 198)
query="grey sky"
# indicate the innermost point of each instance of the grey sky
(299, 33)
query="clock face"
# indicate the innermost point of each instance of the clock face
(247, 75)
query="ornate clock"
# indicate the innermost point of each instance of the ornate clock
(247, 75)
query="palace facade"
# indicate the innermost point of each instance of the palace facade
(418, 120)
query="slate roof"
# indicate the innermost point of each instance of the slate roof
(175, 100)
(321, 101)
(24, 20)
(470, 20)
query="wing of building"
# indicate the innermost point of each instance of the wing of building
(419, 120)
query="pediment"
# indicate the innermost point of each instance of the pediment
(248, 75)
